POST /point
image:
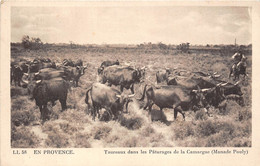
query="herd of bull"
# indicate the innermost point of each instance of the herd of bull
(180, 90)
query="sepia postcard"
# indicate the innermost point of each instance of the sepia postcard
(129, 83)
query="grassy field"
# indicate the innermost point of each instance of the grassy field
(74, 127)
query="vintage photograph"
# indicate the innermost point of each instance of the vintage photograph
(131, 76)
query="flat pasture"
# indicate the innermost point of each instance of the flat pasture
(74, 127)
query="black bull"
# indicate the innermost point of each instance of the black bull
(126, 77)
(35, 67)
(103, 96)
(67, 73)
(48, 91)
(214, 96)
(106, 64)
(162, 75)
(177, 97)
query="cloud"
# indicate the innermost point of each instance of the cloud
(197, 25)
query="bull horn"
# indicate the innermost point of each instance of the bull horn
(132, 95)
(38, 81)
(27, 65)
(195, 91)
(205, 90)
(215, 73)
(118, 96)
(237, 82)
(26, 74)
(143, 67)
(223, 84)
(37, 73)
(25, 81)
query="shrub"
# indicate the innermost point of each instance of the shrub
(112, 138)
(21, 103)
(183, 130)
(101, 131)
(21, 137)
(18, 91)
(82, 140)
(72, 115)
(131, 123)
(244, 115)
(131, 142)
(206, 128)
(219, 139)
(57, 140)
(147, 131)
(21, 117)
(201, 115)
(70, 128)
(240, 142)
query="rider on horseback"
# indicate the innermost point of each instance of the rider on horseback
(239, 66)
(239, 59)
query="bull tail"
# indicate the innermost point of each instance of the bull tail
(87, 93)
(142, 98)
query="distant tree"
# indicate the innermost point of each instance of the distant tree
(33, 43)
(162, 46)
(26, 41)
(36, 43)
(183, 47)
(72, 44)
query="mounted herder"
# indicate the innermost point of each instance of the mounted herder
(239, 66)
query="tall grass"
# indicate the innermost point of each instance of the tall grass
(227, 127)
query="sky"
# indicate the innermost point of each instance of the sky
(133, 25)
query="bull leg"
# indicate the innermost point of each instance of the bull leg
(110, 113)
(15, 82)
(40, 107)
(77, 82)
(44, 112)
(148, 103)
(176, 110)
(121, 88)
(94, 112)
(74, 83)
(150, 108)
(132, 88)
(19, 83)
(63, 104)
(53, 103)
(98, 112)
(230, 73)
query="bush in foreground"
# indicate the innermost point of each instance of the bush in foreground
(22, 138)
